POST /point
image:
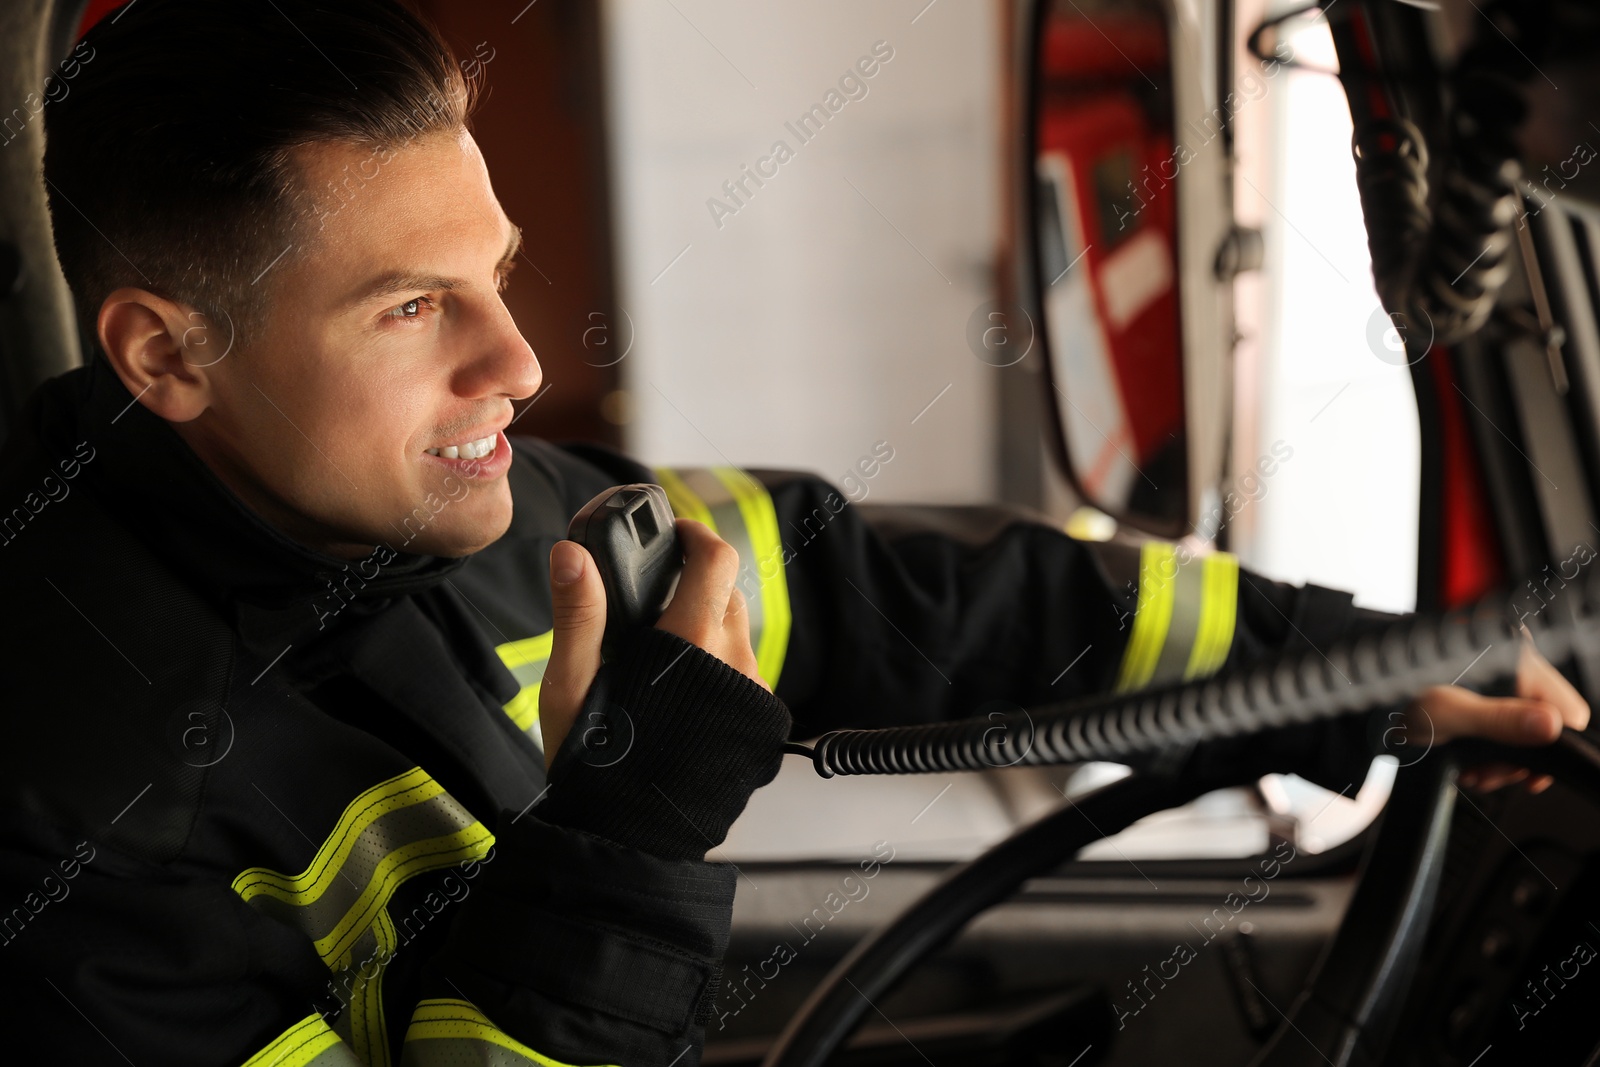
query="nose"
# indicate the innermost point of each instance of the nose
(502, 363)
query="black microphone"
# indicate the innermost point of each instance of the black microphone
(629, 531)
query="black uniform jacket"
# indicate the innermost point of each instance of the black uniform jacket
(261, 805)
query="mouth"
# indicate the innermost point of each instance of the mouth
(477, 449)
(482, 455)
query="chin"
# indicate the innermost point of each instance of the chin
(462, 537)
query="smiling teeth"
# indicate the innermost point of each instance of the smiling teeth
(470, 450)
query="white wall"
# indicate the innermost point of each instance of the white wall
(832, 308)
(1342, 512)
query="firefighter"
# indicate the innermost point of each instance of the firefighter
(311, 757)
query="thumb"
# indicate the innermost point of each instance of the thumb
(1539, 680)
(578, 612)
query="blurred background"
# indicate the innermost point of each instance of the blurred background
(815, 313)
(690, 311)
(798, 235)
(726, 265)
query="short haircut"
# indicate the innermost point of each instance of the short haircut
(168, 162)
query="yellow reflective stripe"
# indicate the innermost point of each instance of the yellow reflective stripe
(1158, 569)
(525, 659)
(772, 619)
(1184, 623)
(1218, 614)
(400, 866)
(524, 707)
(369, 1037)
(360, 1024)
(403, 790)
(407, 788)
(761, 523)
(303, 1044)
(458, 1022)
(685, 504)
(516, 654)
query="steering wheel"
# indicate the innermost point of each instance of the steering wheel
(1349, 1011)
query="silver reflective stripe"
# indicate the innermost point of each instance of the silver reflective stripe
(730, 526)
(1183, 625)
(374, 845)
(391, 832)
(398, 829)
(528, 674)
(1187, 599)
(738, 508)
(526, 660)
(359, 988)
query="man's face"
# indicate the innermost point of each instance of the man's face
(385, 342)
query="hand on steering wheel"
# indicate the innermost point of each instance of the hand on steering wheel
(1544, 703)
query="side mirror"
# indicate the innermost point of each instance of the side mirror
(1129, 251)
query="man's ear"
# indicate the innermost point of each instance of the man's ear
(163, 351)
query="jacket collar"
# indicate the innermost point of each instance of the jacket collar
(152, 479)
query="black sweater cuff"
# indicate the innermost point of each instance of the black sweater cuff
(668, 747)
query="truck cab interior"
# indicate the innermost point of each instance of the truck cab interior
(1169, 321)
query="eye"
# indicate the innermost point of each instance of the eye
(412, 309)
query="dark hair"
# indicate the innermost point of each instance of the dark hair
(168, 160)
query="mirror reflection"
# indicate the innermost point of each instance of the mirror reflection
(1106, 225)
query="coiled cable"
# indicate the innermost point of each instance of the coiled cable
(1439, 269)
(1350, 677)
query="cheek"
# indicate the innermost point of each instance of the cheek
(399, 419)
(343, 436)
(324, 436)
(372, 418)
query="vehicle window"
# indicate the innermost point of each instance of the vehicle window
(1320, 369)
(841, 284)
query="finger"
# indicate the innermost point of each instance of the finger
(737, 651)
(738, 613)
(1499, 776)
(1539, 783)
(1485, 778)
(578, 606)
(710, 566)
(1456, 712)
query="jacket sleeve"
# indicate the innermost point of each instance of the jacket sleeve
(892, 615)
(603, 933)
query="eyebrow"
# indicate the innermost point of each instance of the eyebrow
(395, 282)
